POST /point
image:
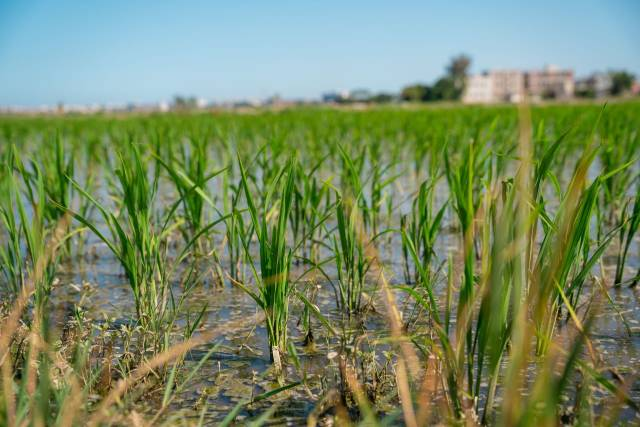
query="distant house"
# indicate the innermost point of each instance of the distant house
(513, 85)
(494, 86)
(550, 83)
(335, 97)
(508, 85)
(479, 89)
(596, 85)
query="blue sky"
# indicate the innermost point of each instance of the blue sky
(144, 51)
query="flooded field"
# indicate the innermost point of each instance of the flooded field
(319, 267)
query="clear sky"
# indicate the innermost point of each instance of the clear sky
(143, 51)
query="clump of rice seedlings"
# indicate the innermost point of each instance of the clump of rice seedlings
(421, 228)
(354, 185)
(23, 213)
(235, 227)
(629, 225)
(56, 164)
(139, 245)
(352, 261)
(190, 173)
(12, 266)
(618, 148)
(465, 202)
(311, 200)
(565, 258)
(351, 180)
(379, 181)
(510, 311)
(274, 286)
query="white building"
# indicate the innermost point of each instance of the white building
(494, 86)
(479, 89)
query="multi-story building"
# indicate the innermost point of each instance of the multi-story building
(494, 86)
(508, 85)
(513, 85)
(549, 83)
(479, 89)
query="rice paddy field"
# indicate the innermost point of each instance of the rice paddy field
(392, 266)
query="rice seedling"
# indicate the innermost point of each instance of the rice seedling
(273, 282)
(235, 227)
(465, 202)
(140, 247)
(23, 209)
(565, 257)
(190, 175)
(310, 203)
(422, 227)
(351, 258)
(629, 225)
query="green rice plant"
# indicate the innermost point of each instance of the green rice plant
(351, 181)
(235, 227)
(379, 181)
(56, 163)
(12, 266)
(140, 247)
(499, 289)
(273, 282)
(453, 370)
(24, 223)
(190, 174)
(565, 258)
(422, 226)
(619, 146)
(311, 200)
(465, 202)
(478, 363)
(351, 258)
(629, 225)
(354, 185)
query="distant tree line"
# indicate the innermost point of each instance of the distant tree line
(184, 102)
(446, 88)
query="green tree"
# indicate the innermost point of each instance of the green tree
(445, 89)
(414, 93)
(621, 81)
(184, 103)
(382, 98)
(457, 71)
